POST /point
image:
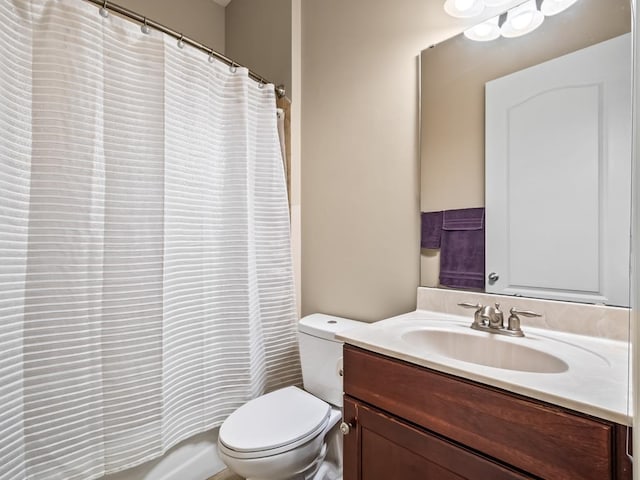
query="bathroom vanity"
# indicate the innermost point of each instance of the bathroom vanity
(417, 416)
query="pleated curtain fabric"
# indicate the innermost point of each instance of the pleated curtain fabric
(146, 286)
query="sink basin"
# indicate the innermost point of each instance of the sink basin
(579, 372)
(485, 349)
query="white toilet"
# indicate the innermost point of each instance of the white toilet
(292, 434)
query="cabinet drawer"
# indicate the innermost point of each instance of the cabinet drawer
(390, 449)
(543, 440)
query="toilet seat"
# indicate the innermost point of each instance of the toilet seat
(274, 423)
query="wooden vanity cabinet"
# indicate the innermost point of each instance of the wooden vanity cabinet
(382, 447)
(409, 422)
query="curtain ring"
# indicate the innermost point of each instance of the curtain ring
(181, 41)
(233, 68)
(104, 13)
(211, 57)
(145, 28)
(261, 84)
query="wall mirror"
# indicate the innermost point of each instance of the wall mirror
(498, 131)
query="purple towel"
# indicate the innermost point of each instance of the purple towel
(462, 249)
(464, 219)
(431, 229)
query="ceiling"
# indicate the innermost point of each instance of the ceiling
(224, 3)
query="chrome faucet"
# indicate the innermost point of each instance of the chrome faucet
(491, 319)
(485, 317)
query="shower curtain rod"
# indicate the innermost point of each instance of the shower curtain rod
(279, 89)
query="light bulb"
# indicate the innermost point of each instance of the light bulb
(522, 19)
(552, 7)
(464, 8)
(463, 5)
(483, 29)
(484, 32)
(496, 3)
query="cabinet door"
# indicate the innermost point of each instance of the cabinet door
(558, 141)
(382, 447)
(544, 440)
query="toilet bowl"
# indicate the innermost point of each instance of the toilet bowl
(292, 434)
(279, 435)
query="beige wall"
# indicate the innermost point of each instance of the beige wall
(355, 183)
(265, 36)
(453, 78)
(259, 37)
(360, 172)
(296, 148)
(202, 20)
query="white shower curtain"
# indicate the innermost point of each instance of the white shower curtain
(146, 286)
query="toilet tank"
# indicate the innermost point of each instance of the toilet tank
(321, 355)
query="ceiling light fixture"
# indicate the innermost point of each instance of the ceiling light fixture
(518, 21)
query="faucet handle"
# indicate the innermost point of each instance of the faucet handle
(477, 316)
(524, 313)
(514, 321)
(477, 306)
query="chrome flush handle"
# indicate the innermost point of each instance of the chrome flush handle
(345, 428)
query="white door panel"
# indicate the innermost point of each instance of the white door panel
(558, 163)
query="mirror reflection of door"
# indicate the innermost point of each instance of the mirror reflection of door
(558, 157)
(454, 74)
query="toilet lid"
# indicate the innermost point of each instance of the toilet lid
(283, 417)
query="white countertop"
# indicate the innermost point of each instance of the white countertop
(596, 381)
